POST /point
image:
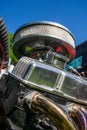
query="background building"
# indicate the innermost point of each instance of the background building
(81, 51)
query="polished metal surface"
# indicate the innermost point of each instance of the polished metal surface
(36, 74)
(79, 114)
(38, 102)
(43, 33)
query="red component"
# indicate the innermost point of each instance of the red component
(59, 49)
(71, 51)
(66, 48)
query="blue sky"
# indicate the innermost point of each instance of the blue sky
(70, 13)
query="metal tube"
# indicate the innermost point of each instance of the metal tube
(79, 115)
(61, 119)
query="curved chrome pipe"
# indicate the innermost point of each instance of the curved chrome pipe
(61, 119)
(79, 115)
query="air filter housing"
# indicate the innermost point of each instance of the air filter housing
(40, 35)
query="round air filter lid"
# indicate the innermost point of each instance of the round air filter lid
(44, 34)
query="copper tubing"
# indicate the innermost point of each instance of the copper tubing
(79, 115)
(61, 118)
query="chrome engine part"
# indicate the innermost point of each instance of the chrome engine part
(39, 93)
(46, 41)
(50, 47)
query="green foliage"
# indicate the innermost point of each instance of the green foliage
(13, 58)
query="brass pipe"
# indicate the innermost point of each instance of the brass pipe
(79, 115)
(61, 118)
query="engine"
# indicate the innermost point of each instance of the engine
(39, 92)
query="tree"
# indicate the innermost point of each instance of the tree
(13, 58)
